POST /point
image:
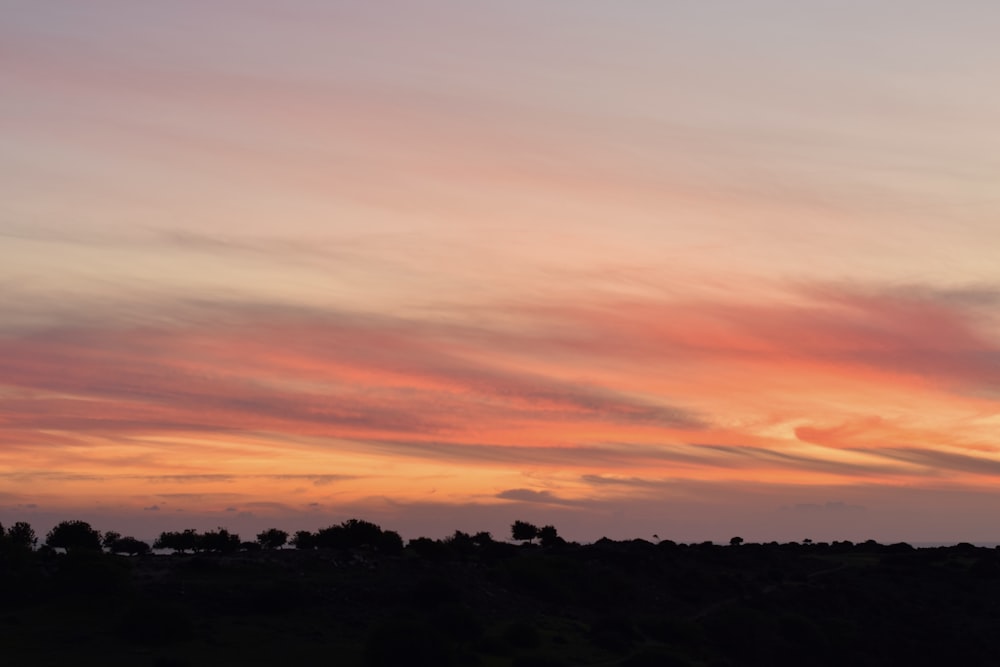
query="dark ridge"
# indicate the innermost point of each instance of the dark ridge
(354, 594)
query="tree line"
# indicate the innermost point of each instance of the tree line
(77, 535)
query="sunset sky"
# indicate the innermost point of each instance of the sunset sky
(686, 268)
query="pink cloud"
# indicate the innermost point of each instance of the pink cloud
(669, 389)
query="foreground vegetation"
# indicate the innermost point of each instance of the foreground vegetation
(354, 594)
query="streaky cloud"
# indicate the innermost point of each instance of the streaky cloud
(531, 496)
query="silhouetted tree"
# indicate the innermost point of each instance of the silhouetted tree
(21, 536)
(303, 539)
(350, 533)
(523, 531)
(735, 541)
(109, 539)
(390, 542)
(549, 536)
(166, 540)
(127, 545)
(73, 535)
(220, 540)
(272, 538)
(460, 543)
(425, 547)
(482, 539)
(361, 533)
(331, 537)
(188, 540)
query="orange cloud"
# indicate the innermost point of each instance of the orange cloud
(562, 406)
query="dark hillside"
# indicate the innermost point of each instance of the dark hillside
(468, 602)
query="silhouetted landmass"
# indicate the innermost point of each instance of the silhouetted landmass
(353, 594)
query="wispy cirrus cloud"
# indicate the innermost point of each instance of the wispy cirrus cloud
(302, 371)
(532, 496)
(943, 335)
(829, 506)
(702, 389)
(55, 476)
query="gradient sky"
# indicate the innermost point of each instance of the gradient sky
(688, 268)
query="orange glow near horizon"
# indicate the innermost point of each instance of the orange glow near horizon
(260, 405)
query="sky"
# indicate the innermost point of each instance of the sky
(683, 269)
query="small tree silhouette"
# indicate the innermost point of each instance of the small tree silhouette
(21, 536)
(735, 541)
(349, 534)
(109, 538)
(272, 538)
(331, 537)
(220, 540)
(390, 542)
(523, 531)
(461, 543)
(303, 539)
(188, 540)
(126, 545)
(362, 533)
(549, 536)
(74, 535)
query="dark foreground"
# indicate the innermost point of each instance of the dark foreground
(439, 603)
